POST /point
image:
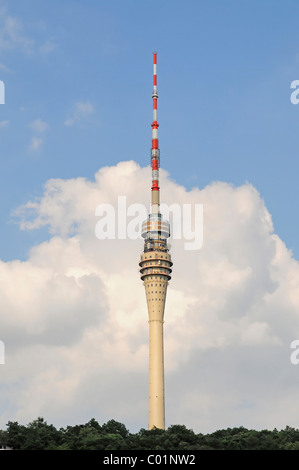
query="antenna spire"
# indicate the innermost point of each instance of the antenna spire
(155, 152)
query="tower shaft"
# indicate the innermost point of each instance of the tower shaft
(155, 272)
(155, 269)
(156, 375)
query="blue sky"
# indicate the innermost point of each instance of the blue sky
(224, 74)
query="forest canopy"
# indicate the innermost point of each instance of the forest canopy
(39, 435)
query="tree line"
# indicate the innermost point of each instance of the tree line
(39, 435)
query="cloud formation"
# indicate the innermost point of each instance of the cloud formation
(4, 124)
(82, 110)
(74, 317)
(15, 36)
(39, 128)
(12, 33)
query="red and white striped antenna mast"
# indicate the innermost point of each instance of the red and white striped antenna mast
(155, 152)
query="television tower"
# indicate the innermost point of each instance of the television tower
(155, 269)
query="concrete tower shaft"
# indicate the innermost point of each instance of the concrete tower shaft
(155, 272)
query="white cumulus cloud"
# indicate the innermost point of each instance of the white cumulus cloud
(74, 317)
